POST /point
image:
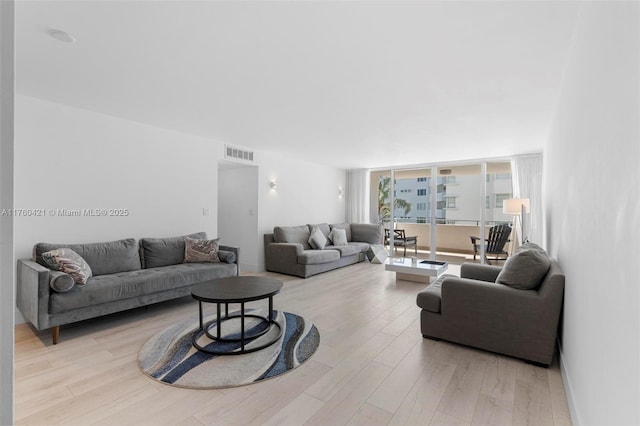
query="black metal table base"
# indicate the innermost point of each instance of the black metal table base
(244, 338)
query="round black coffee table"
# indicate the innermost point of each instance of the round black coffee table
(236, 290)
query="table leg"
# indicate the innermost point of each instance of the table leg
(219, 325)
(200, 309)
(242, 325)
(270, 308)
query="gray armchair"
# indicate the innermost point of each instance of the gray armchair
(476, 311)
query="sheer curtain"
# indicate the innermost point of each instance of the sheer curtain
(527, 183)
(357, 196)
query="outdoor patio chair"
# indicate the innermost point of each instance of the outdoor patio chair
(401, 240)
(494, 244)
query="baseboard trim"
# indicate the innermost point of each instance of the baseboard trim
(248, 267)
(568, 388)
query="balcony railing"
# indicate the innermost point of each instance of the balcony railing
(453, 238)
(473, 222)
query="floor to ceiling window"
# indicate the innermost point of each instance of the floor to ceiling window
(443, 205)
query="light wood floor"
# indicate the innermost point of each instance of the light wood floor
(373, 367)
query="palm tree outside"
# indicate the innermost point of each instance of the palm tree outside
(384, 200)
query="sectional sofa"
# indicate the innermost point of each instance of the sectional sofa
(288, 250)
(126, 274)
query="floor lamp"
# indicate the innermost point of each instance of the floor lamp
(518, 207)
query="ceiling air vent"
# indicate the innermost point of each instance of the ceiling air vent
(445, 171)
(234, 153)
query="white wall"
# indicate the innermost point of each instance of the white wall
(238, 213)
(68, 158)
(592, 181)
(7, 262)
(307, 193)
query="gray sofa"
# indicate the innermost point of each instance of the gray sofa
(479, 310)
(288, 251)
(126, 274)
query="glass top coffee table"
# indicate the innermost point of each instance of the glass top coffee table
(412, 269)
(236, 290)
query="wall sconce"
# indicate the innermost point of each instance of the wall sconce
(274, 185)
(340, 192)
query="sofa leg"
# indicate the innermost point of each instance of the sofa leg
(55, 333)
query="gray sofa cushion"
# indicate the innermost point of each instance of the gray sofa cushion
(361, 247)
(292, 234)
(347, 250)
(124, 285)
(109, 288)
(366, 233)
(201, 272)
(345, 226)
(525, 269)
(103, 258)
(316, 257)
(165, 251)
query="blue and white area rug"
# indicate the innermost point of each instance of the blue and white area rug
(170, 358)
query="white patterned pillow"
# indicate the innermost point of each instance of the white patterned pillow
(68, 261)
(201, 250)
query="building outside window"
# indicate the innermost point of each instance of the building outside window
(450, 202)
(500, 199)
(458, 205)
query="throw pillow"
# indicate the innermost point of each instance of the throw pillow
(529, 246)
(317, 240)
(524, 270)
(227, 256)
(201, 250)
(338, 236)
(60, 282)
(345, 226)
(68, 261)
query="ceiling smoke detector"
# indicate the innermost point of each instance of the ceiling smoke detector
(62, 36)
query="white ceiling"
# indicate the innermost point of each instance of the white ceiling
(353, 84)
